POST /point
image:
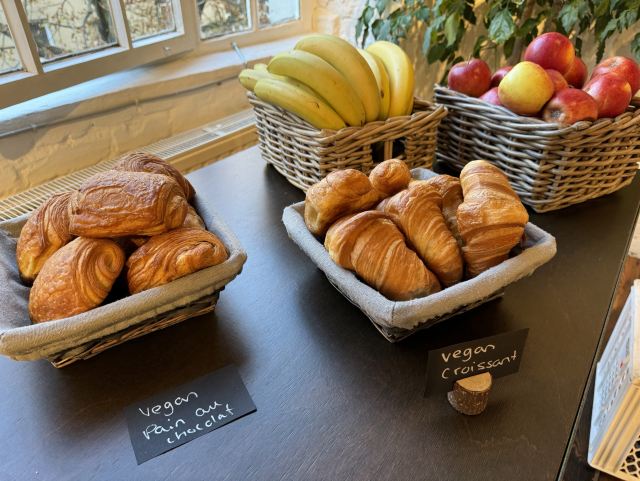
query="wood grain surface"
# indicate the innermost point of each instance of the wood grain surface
(335, 400)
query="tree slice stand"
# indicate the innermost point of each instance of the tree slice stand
(471, 395)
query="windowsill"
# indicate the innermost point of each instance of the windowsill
(137, 85)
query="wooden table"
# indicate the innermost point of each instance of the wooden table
(335, 399)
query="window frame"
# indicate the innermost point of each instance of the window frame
(37, 78)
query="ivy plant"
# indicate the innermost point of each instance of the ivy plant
(511, 24)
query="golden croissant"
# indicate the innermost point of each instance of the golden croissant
(451, 192)
(46, 231)
(192, 219)
(417, 213)
(390, 177)
(142, 162)
(370, 244)
(340, 193)
(75, 279)
(119, 204)
(172, 255)
(491, 219)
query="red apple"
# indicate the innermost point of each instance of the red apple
(499, 75)
(623, 66)
(492, 97)
(526, 89)
(472, 78)
(577, 74)
(611, 92)
(551, 50)
(568, 106)
(558, 80)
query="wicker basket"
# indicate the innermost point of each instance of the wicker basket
(305, 155)
(550, 166)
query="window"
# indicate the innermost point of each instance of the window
(49, 45)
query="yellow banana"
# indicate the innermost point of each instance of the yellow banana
(260, 67)
(400, 71)
(344, 57)
(382, 79)
(306, 88)
(324, 79)
(298, 102)
(248, 78)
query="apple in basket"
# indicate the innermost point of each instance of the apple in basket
(492, 97)
(568, 106)
(577, 74)
(526, 89)
(472, 77)
(623, 66)
(499, 75)
(559, 82)
(611, 92)
(551, 50)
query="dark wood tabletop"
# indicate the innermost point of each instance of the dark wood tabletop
(335, 399)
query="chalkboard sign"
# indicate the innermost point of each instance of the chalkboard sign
(499, 355)
(172, 418)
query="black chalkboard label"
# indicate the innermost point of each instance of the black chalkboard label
(172, 418)
(499, 355)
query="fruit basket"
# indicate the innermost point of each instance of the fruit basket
(398, 320)
(305, 155)
(550, 166)
(120, 318)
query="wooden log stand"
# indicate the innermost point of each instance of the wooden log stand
(470, 395)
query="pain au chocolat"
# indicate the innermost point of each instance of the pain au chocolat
(119, 204)
(76, 279)
(172, 255)
(142, 162)
(46, 231)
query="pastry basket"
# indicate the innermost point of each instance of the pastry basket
(85, 335)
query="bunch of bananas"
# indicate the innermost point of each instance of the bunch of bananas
(331, 84)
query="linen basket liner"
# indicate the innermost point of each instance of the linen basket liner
(22, 341)
(550, 166)
(305, 155)
(539, 248)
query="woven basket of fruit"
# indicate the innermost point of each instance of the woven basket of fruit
(327, 106)
(132, 251)
(411, 249)
(559, 141)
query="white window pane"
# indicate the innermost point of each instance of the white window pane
(220, 17)
(9, 60)
(62, 28)
(149, 17)
(272, 12)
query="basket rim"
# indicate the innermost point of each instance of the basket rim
(517, 121)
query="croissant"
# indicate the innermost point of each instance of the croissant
(451, 192)
(131, 243)
(340, 193)
(192, 219)
(417, 213)
(491, 219)
(142, 162)
(370, 244)
(46, 231)
(172, 255)
(75, 279)
(390, 177)
(118, 204)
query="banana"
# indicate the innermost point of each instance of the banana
(400, 71)
(298, 102)
(260, 67)
(306, 88)
(382, 79)
(324, 79)
(345, 58)
(248, 78)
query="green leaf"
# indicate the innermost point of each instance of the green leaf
(359, 26)
(570, 13)
(422, 14)
(577, 44)
(527, 27)
(365, 35)
(627, 19)
(601, 23)
(502, 27)
(508, 47)
(600, 52)
(367, 15)
(476, 48)
(609, 29)
(395, 14)
(385, 31)
(376, 27)
(426, 43)
(602, 8)
(635, 45)
(451, 28)
(436, 53)
(381, 5)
